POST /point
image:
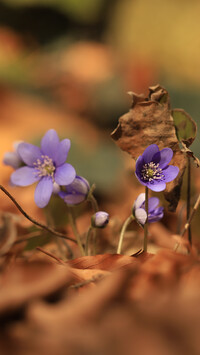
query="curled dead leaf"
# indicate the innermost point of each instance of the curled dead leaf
(190, 154)
(149, 121)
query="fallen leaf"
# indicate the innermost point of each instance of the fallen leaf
(149, 121)
(102, 262)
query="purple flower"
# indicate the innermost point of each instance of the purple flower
(76, 192)
(152, 169)
(155, 213)
(44, 165)
(13, 158)
(100, 219)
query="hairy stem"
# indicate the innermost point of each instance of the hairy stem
(90, 230)
(188, 223)
(124, 227)
(188, 197)
(75, 230)
(95, 207)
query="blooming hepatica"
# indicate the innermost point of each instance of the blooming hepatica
(76, 192)
(152, 169)
(45, 165)
(155, 213)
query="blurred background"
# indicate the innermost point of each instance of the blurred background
(68, 65)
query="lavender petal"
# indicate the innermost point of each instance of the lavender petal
(140, 215)
(149, 152)
(158, 186)
(163, 157)
(24, 176)
(50, 144)
(170, 173)
(63, 149)
(65, 174)
(29, 153)
(72, 199)
(43, 191)
(139, 201)
(153, 203)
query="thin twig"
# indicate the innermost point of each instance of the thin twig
(188, 197)
(187, 225)
(51, 255)
(43, 226)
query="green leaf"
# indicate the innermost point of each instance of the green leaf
(186, 128)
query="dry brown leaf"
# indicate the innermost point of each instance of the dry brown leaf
(156, 299)
(102, 262)
(28, 280)
(190, 154)
(149, 121)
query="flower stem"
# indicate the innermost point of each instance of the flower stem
(187, 225)
(31, 219)
(188, 197)
(94, 203)
(75, 230)
(90, 230)
(95, 207)
(124, 227)
(146, 223)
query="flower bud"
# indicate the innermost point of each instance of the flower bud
(100, 219)
(155, 213)
(13, 158)
(76, 192)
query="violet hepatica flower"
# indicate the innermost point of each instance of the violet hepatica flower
(76, 192)
(44, 165)
(152, 169)
(100, 219)
(155, 213)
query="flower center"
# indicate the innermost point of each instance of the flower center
(44, 166)
(151, 172)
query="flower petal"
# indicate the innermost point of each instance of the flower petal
(24, 176)
(50, 144)
(158, 186)
(153, 203)
(29, 153)
(138, 168)
(43, 191)
(80, 185)
(170, 172)
(149, 152)
(163, 157)
(65, 174)
(140, 215)
(157, 215)
(12, 159)
(72, 199)
(139, 201)
(64, 147)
